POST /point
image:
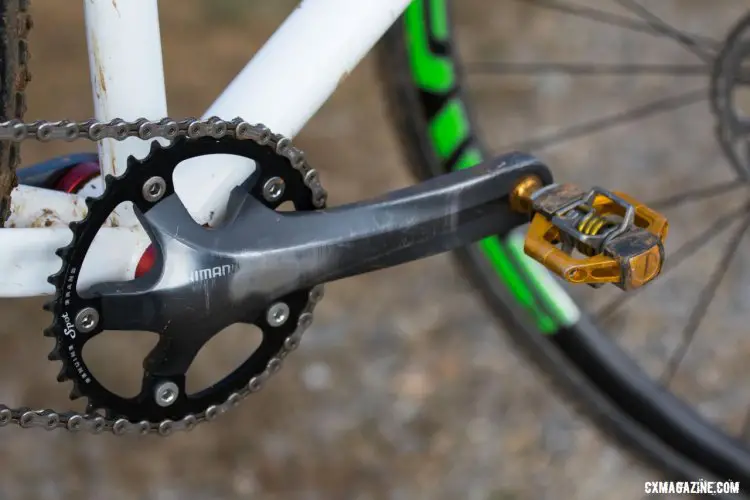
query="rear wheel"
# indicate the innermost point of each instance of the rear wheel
(456, 99)
(15, 23)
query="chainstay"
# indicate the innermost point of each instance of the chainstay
(167, 128)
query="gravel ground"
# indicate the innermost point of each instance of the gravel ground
(403, 388)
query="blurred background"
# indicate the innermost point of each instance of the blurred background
(402, 389)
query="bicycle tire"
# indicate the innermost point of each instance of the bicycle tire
(15, 24)
(592, 373)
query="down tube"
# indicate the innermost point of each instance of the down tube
(301, 65)
(286, 82)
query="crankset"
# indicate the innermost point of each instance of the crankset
(266, 267)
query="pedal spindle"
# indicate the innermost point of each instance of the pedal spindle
(621, 239)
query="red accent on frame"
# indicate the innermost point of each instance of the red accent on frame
(75, 178)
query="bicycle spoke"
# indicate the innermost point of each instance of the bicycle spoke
(704, 301)
(679, 256)
(601, 124)
(697, 194)
(611, 19)
(666, 29)
(584, 69)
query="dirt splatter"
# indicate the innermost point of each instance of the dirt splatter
(100, 83)
(46, 219)
(100, 77)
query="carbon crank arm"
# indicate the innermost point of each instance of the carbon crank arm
(434, 216)
(264, 254)
(259, 255)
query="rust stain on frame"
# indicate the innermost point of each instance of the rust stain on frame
(100, 85)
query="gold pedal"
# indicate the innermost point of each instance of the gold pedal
(620, 240)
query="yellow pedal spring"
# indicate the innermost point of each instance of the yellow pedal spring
(590, 224)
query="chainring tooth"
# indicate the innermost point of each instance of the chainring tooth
(54, 354)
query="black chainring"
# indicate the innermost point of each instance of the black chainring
(69, 344)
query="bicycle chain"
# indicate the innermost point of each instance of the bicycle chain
(167, 128)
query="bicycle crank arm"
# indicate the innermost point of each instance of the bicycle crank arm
(260, 254)
(437, 215)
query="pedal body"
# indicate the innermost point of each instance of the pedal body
(593, 237)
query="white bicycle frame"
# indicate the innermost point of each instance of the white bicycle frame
(283, 85)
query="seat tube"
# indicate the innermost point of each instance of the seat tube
(127, 71)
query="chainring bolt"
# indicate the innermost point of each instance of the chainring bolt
(166, 394)
(154, 189)
(273, 189)
(87, 320)
(277, 314)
